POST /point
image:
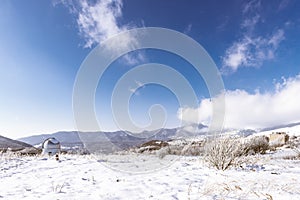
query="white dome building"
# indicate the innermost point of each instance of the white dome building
(51, 146)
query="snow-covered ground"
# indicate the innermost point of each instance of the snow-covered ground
(291, 131)
(133, 176)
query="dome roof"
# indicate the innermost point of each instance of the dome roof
(51, 142)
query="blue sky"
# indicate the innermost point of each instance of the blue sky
(255, 45)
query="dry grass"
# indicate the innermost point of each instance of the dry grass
(57, 188)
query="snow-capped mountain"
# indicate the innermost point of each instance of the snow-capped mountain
(120, 140)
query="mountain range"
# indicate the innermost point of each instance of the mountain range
(111, 141)
(120, 140)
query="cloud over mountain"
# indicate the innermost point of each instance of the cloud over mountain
(257, 110)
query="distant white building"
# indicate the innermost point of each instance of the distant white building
(51, 146)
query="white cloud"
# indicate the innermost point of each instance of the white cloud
(250, 23)
(202, 114)
(237, 55)
(276, 38)
(258, 110)
(134, 90)
(251, 50)
(99, 21)
(283, 4)
(224, 22)
(188, 29)
(70, 4)
(251, 6)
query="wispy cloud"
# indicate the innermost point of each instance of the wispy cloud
(188, 29)
(71, 5)
(223, 24)
(251, 6)
(249, 23)
(134, 90)
(99, 21)
(251, 50)
(258, 110)
(283, 4)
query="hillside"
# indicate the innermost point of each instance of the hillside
(12, 144)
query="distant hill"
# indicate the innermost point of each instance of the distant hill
(63, 136)
(6, 143)
(120, 140)
(111, 141)
(281, 126)
(291, 129)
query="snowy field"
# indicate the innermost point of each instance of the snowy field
(133, 176)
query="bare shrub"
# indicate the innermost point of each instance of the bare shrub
(296, 148)
(297, 151)
(190, 149)
(224, 152)
(258, 144)
(170, 150)
(193, 149)
(161, 153)
(293, 143)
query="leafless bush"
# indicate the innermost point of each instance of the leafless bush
(191, 149)
(296, 148)
(293, 143)
(297, 151)
(170, 150)
(258, 144)
(224, 152)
